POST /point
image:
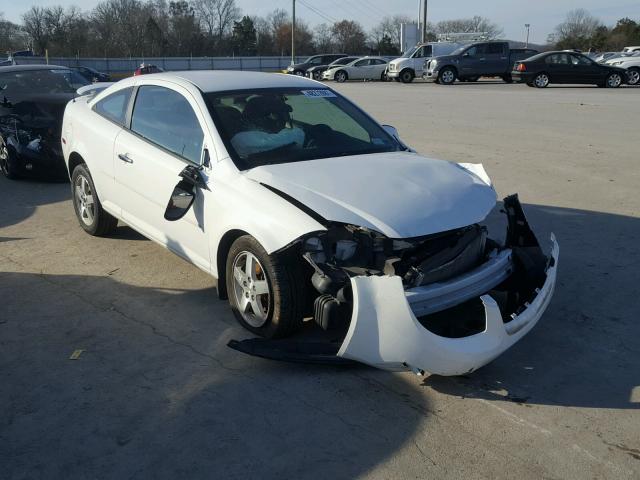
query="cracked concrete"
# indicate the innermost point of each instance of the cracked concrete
(157, 394)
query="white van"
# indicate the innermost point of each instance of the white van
(404, 68)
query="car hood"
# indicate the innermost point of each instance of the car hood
(399, 194)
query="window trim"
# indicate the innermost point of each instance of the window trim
(130, 108)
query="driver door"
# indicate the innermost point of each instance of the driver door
(165, 136)
(360, 70)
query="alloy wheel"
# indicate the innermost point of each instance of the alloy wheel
(614, 80)
(251, 289)
(448, 77)
(633, 77)
(84, 200)
(542, 80)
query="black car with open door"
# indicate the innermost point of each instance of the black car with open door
(32, 103)
(566, 67)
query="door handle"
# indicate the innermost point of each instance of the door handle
(125, 157)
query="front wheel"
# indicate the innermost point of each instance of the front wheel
(447, 76)
(341, 76)
(407, 76)
(633, 76)
(265, 291)
(92, 217)
(541, 80)
(7, 161)
(614, 80)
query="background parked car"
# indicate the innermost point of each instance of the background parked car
(316, 72)
(632, 66)
(145, 69)
(33, 101)
(566, 67)
(92, 75)
(405, 68)
(364, 68)
(470, 62)
(313, 61)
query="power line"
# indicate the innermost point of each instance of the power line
(318, 12)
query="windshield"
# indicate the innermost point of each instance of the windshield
(410, 52)
(267, 126)
(38, 82)
(343, 61)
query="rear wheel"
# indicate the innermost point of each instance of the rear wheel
(447, 76)
(614, 80)
(507, 79)
(92, 217)
(8, 161)
(541, 80)
(341, 76)
(265, 291)
(407, 76)
(633, 76)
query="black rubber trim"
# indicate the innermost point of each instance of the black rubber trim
(286, 350)
(312, 213)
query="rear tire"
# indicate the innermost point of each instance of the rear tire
(92, 217)
(507, 79)
(541, 80)
(447, 76)
(281, 308)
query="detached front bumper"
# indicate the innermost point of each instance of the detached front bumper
(385, 332)
(430, 75)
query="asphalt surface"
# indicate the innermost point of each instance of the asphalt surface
(155, 392)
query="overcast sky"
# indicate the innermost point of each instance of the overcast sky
(543, 15)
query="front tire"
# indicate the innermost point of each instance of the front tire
(92, 217)
(7, 161)
(407, 76)
(613, 80)
(633, 76)
(341, 76)
(447, 76)
(265, 291)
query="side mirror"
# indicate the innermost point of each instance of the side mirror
(466, 54)
(184, 193)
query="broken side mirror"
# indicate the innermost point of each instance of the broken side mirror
(184, 193)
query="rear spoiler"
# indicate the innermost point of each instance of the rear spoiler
(93, 89)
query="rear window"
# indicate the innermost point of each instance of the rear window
(114, 106)
(38, 82)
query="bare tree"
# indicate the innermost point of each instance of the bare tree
(217, 16)
(349, 36)
(578, 29)
(323, 38)
(475, 24)
(34, 21)
(12, 36)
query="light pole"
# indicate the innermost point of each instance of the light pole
(423, 32)
(293, 33)
(527, 25)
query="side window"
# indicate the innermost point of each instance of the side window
(427, 51)
(362, 63)
(165, 117)
(472, 52)
(114, 106)
(577, 60)
(558, 59)
(378, 61)
(495, 49)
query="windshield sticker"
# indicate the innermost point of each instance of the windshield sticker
(319, 93)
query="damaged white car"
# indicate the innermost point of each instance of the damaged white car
(303, 207)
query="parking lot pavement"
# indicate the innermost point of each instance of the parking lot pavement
(155, 393)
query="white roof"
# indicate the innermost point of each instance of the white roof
(222, 80)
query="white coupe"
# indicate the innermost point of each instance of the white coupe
(305, 210)
(365, 68)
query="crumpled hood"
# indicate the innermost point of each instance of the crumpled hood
(399, 194)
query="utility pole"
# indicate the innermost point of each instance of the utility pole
(527, 25)
(423, 33)
(293, 34)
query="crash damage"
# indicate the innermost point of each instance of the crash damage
(446, 303)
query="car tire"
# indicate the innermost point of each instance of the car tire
(541, 80)
(407, 76)
(280, 308)
(299, 73)
(613, 80)
(92, 217)
(341, 76)
(507, 79)
(316, 76)
(8, 161)
(447, 76)
(633, 76)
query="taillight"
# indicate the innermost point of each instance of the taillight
(521, 67)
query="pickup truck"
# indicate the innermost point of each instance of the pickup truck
(470, 62)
